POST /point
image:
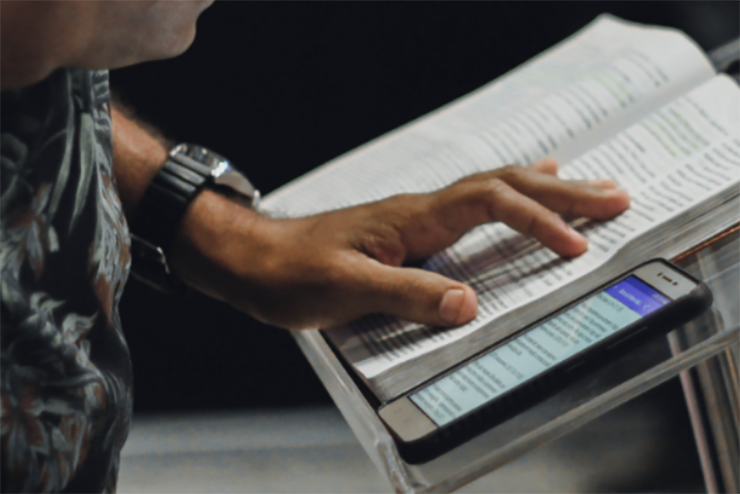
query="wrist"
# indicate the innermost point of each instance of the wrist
(208, 251)
(275, 270)
(188, 172)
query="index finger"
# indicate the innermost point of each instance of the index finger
(465, 205)
(596, 199)
(506, 204)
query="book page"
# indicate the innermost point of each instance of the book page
(559, 104)
(581, 92)
(669, 162)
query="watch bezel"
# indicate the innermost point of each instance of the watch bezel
(222, 173)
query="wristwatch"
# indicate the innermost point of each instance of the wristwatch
(189, 169)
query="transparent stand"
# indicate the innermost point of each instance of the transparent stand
(611, 386)
(712, 388)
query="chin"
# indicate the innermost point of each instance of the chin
(180, 45)
(161, 49)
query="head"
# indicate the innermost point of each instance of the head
(41, 36)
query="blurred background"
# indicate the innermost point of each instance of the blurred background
(281, 88)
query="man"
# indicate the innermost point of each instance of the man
(76, 173)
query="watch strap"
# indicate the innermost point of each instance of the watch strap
(149, 266)
(167, 198)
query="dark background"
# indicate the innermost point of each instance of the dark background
(281, 88)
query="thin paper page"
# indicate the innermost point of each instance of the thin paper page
(563, 102)
(691, 156)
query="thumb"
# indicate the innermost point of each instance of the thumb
(417, 295)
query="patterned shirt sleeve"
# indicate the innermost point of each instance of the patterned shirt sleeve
(64, 259)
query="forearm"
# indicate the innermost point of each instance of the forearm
(137, 156)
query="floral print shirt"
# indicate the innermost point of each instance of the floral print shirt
(64, 259)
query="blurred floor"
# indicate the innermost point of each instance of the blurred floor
(635, 448)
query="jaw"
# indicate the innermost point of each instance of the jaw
(125, 33)
(40, 37)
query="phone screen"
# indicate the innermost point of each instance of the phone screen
(540, 348)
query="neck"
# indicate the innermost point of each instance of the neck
(37, 39)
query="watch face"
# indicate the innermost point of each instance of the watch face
(200, 154)
(221, 172)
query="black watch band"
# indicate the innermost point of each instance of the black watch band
(167, 198)
(188, 170)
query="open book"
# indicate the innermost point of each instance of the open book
(640, 105)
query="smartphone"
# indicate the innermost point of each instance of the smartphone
(533, 364)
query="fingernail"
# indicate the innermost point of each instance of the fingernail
(614, 192)
(570, 230)
(451, 305)
(574, 233)
(563, 224)
(603, 184)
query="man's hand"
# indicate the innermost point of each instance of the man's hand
(324, 270)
